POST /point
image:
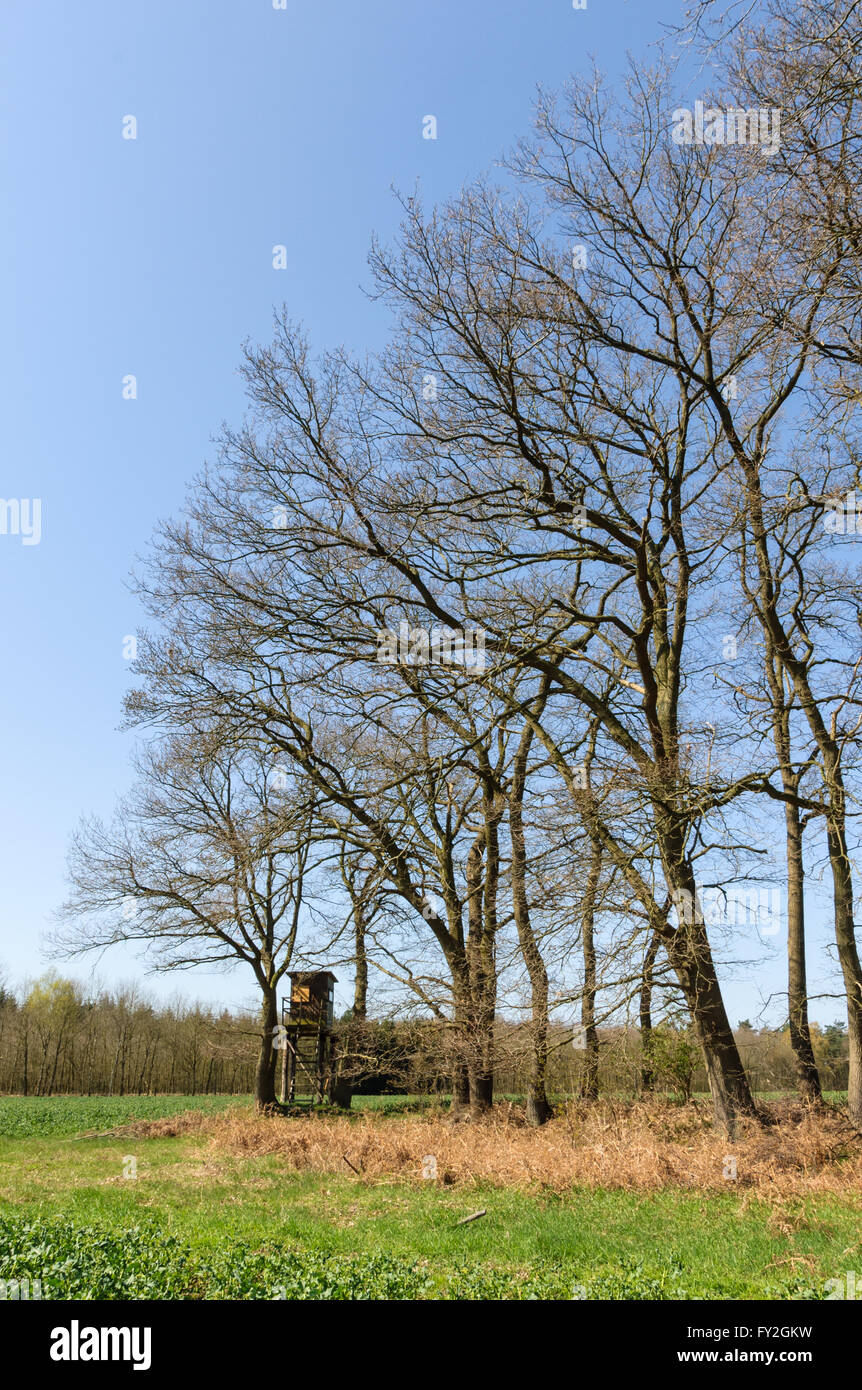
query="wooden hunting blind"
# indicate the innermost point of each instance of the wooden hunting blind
(307, 1019)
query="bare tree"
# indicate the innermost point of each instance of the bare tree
(207, 863)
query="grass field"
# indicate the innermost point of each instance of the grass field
(22, 1117)
(219, 1204)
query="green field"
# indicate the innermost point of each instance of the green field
(24, 1116)
(195, 1223)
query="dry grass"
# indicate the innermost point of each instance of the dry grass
(637, 1146)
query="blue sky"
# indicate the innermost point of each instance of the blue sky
(153, 256)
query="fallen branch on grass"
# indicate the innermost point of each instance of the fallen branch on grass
(475, 1217)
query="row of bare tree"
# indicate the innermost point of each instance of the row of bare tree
(614, 432)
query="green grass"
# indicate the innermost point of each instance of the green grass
(22, 1116)
(394, 1105)
(69, 1260)
(200, 1223)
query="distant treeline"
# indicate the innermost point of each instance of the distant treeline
(56, 1038)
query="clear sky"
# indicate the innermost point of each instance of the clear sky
(152, 256)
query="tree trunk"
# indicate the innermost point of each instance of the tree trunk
(848, 955)
(459, 1108)
(480, 1068)
(647, 1068)
(360, 985)
(264, 1076)
(538, 1108)
(481, 1091)
(807, 1075)
(691, 957)
(590, 1073)
(805, 1065)
(482, 980)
